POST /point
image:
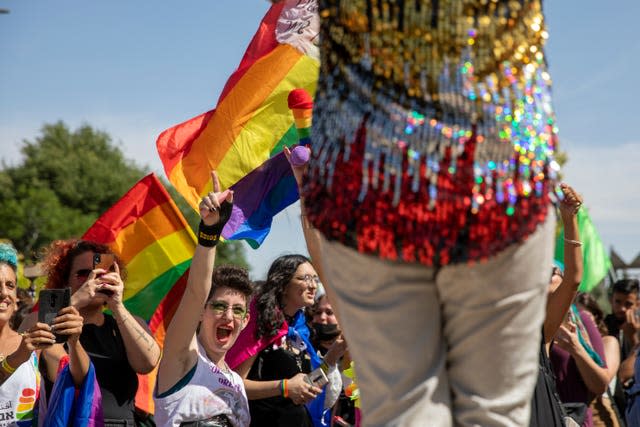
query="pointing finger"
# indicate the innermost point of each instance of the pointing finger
(215, 181)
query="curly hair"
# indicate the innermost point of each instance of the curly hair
(269, 301)
(9, 256)
(60, 255)
(233, 277)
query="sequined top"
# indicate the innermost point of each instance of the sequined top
(434, 134)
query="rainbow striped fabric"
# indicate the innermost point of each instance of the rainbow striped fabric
(250, 125)
(148, 232)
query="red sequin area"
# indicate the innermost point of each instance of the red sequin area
(411, 232)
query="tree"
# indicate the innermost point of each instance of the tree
(66, 180)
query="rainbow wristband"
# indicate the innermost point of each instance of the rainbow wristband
(284, 389)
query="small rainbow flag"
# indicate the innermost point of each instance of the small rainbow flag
(250, 124)
(148, 232)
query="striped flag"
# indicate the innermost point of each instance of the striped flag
(148, 232)
(251, 124)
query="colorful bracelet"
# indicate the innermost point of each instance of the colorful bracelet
(284, 388)
(6, 367)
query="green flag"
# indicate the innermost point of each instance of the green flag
(594, 256)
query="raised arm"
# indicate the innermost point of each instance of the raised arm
(559, 300)
(311, 234)
(180, 346)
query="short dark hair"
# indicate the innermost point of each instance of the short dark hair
(233, 277)
(626, 286)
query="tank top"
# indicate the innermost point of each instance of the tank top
(433, 133)
(117, 379)
(209, 392)
(19, 394)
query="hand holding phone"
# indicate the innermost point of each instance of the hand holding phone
(317, 378)
(104, 262)
(51, 301)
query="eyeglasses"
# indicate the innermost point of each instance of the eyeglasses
(220, 308)
(83, 273)
(307, 278)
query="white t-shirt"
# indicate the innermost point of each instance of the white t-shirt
(19, 393)
(208, 393)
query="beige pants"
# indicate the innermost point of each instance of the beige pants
(457, 347)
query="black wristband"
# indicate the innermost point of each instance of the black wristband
(208, 235)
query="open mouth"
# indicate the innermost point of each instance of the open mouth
(4, 305)
(223, 333)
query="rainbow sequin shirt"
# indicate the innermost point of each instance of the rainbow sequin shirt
(434, 133)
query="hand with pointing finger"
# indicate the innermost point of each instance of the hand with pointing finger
(215, 210)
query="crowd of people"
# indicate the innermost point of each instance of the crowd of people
(272, 353)
(429, 206)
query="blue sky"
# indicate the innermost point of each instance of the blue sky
(134, 69)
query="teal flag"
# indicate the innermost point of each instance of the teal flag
(594, 256)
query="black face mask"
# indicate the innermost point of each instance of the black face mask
(326, 332)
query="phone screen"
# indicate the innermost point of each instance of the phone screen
(51, 301)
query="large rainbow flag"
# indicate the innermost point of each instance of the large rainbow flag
(250, 125)
(148, 232)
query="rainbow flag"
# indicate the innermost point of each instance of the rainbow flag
(250, 125)
(147, 231)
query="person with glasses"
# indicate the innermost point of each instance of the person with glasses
(118, 343)
(195, 386)
(274, 354)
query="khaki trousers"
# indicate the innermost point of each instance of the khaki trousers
(457, 346)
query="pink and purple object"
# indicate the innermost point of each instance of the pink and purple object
(299, 155)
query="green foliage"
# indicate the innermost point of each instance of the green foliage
(231, 252)
(65, 181)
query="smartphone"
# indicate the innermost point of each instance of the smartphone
(51, 302)
(317, 377)
(105, 262)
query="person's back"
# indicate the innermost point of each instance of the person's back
(441, 111)
(432, 148)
